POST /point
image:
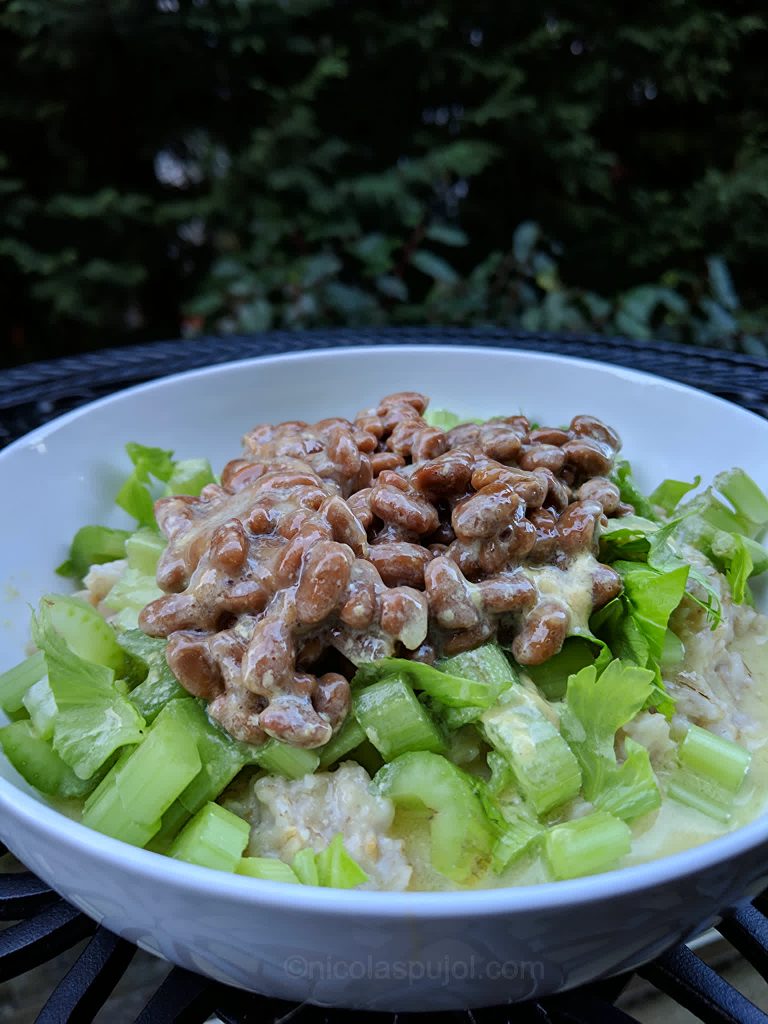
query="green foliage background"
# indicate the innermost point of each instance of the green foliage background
(234, 165)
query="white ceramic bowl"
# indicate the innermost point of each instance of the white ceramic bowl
(402, 951)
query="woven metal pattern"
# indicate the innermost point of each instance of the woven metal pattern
(45, 925)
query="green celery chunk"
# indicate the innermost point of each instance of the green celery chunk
(36, 761)
(221, 759)
(452, 691)
(394, 720)
(92, 718)
(147, 667)
(268, 868)
(595, 708)
(214, 838)
(304, 865)
(190, 476)
(336, 869)
(715, 758)
(133, 591)
(145, 782)
(93, 545)
(486, 664)
(84, 631)
(745, 496)
(444, 419)
(543, 765)
(586, 846)
(519, 834)
(281, 759)
(143, 549)
(700, 793)
(350, 736)
(41, 706)
(551, 676)
(461, 835)
(15, 682)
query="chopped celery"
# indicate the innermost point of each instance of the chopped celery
(444, 419)
(486, 664)
(745, 496)
(702, 794)
(461, 835)
(336, 869)
(394, 720)
(143, 549)
(715, 758)
(146, 665)
(36, 761)
(268, 868)
(670, 493)
(542, 763)
(586, 846)
(551, 677)
(221, 759)
(304, 865)
(92, 718)
(281, 759)
(15, 682)
(132, 591)
(595, 708)
(350, 736)
(84, 631)
(190, 476)
(93, 545)
(41, 706)
(449, 690)
(144, 783)
(214, 838)
(368, 756)
(518, 836)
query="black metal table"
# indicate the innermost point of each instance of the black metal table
(45, 925)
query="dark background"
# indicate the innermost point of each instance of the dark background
(184, 166)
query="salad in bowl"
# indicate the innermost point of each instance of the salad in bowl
(405, 651)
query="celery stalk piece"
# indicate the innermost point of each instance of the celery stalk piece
(461, 835)
(144, 783)
(36, 761)
(15, 682)
(132, 592)
(486, 664)
(93, 545)
(214, 838)
(720, 760)
(268, 868)
(304, 865)
(453, 691)
(350, 736)
(744, 494)
(93, 719)
(143, 549)
(84, 631)
(41, 706)
(586, 846)
(147, 667)
(394, 720)
(702, 794)
(281, 759)
(221, 759)
(336, 869)
(518, 837)
(542, 762)
(190, 476)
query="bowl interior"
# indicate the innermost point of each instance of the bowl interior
(67, 473)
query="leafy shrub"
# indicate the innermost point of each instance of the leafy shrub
(221, 165)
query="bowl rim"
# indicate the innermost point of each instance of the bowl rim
(38, 816)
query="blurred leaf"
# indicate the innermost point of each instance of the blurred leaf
(721, 283)
(434, 266)
(446, 234)
(392, 286)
